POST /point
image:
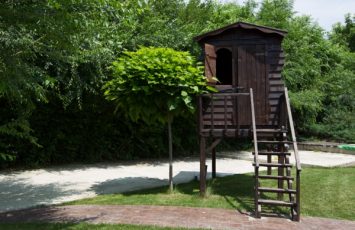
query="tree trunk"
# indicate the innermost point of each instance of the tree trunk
(171, 186)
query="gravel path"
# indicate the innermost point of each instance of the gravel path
(24, 189)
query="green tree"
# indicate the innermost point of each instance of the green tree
(345, 34)
(155, 85)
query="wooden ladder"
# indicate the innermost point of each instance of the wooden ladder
(276, 141)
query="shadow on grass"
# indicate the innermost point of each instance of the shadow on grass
(235, 192)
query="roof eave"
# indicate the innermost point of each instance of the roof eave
(244, 25)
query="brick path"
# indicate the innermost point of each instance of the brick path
(167, 216)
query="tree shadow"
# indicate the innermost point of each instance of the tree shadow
(19, 194)
(237, 190)
(45, 214)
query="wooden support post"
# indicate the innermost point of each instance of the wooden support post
(280, 183)
(298, 196)
(202, 166)
(257, 206)
(269, 160)
(214, 162)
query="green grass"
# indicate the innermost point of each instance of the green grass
(325, 192)
(80, 226)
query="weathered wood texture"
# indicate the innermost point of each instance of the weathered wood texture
(258, 59)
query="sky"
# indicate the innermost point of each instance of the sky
(325, 12)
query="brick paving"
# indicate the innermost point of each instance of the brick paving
(168, 216)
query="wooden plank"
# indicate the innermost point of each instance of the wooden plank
(292, 129)
(274, 102)
(242, 81)
(256, 161)
(225, 132)
(274, 142)
(276, 61)
(213, 145)
(210, 62)
(277, 88)
(276, 54)
(214, 163)
(276, 82)
(275, 202)
(200, 120)
(298, 196)
(273, 153)
(276, 177)
(217, 116)
(275, 68)
(275, 75)
(265, 85)
(218, 123)
(275, 95)
(274, 165)
(220, 109)
(273, 109)
(277, 190)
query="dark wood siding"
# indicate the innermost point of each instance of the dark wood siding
(275, 61)
(252, 73)
(258, 60)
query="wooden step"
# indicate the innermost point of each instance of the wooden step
(271, 130)
(277, 190)
(275, 177)
(273, 153)
(276, 202)
(274, 165)
(274, 142)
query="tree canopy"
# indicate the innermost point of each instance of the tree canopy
(55, 54)
(155, 84)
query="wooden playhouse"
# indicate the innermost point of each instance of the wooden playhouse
(244, 62)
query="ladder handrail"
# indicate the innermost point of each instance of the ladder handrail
(256, 160)
(293, 134)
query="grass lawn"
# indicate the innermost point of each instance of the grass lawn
(81, 226)
(325, 192)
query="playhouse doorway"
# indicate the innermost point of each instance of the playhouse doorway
(224, 67)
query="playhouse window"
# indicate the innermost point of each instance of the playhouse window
(224, 66)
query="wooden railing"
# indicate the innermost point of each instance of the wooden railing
(295, 148)
(256, 155)
(218, 112)
(292, 129)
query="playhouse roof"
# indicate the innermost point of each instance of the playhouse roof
(243, 25)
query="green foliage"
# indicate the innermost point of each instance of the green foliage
(345, 34)
(54, 56)
(276, 13)
(155, 84)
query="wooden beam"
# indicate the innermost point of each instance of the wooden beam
(213, 145)
(214, 163)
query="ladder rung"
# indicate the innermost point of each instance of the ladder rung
(276, 202)
(271, 130)
(274, 142)
(278, 190)
(274, 153)
(274, 165)
(276, 177)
